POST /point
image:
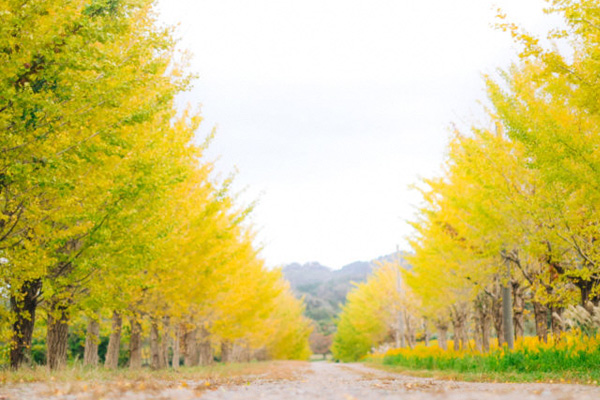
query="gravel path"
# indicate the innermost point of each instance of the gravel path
(355, 381)
(318, 380)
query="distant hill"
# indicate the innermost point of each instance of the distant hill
(325, 289)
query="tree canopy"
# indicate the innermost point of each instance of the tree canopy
(108, 206)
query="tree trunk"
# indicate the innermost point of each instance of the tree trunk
(557, 327)
(176, 339)
(90, 355)
(478, 333)
(483, 322)
(459, 319)
(585, 288)
(205, 348)
(135, 344)
(247, 354)
(477, 336)
(443, 336)
(540, 312)
(518, 309)
(154, 346)
(399, 330)
(190, 354)
(58, 334)
(262, 354)
(164, 344)
(457, 333)
(485, 331)
(409, 330)
(23, 307)
(497, 320)
(225, 351)
(425, 333)
(114, 342)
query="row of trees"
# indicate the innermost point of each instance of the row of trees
(517, 204)
(378, 311)
(108, 210)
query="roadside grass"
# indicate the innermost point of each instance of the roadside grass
(577, 377)
(571, 359)
(216, 374)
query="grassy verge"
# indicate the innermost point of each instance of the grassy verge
(216, 374)
(587, 377)
(572, 359)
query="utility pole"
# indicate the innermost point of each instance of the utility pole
(507, 317)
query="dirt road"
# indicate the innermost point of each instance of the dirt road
(306, 382)
(355, 381)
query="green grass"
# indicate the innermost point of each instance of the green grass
(565, 364)
(591, 377)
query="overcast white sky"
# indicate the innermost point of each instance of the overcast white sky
(330, 109)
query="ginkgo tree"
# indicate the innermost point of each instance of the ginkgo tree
(109, 210)
(516, 204)
(375, 311)
(523, 192)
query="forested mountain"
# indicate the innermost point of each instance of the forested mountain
(325, 289)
